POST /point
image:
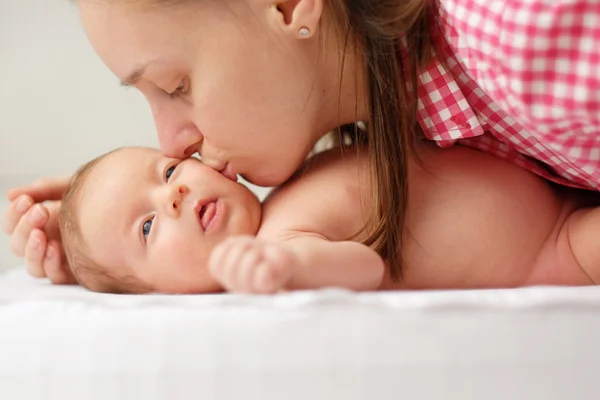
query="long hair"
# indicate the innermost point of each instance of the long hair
(396, 39)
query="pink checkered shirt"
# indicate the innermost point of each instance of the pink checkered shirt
(527, 87)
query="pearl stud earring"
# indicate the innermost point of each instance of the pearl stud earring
(304, 32)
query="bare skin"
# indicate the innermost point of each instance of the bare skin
(307, 239)
(534, 236)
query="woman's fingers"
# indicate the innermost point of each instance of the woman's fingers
(41, 189)
(15, 212)
(55, 265)
(34, 228)
(35, 218)
(35, 251)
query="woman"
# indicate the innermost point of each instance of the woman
(253, 84)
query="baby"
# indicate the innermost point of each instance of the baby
(134, 221)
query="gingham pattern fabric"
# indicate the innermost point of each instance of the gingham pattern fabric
(527, 86)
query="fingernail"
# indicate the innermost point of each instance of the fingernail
(37, 215)
(23, 204)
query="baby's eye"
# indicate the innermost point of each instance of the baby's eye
(146, 228)
(169, 172)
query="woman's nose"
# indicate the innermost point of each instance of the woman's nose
(178, 136)
(173, 197)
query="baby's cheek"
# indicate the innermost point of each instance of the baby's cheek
(188, 255)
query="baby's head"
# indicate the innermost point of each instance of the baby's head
(134, 221)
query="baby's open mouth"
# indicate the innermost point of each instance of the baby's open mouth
(206, 212)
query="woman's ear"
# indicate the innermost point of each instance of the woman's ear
(299, 18)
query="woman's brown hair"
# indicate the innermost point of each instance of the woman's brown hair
(396, 40)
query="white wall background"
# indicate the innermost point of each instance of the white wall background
(59, 105)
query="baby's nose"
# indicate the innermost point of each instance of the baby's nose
(183, 190)
(177, 195)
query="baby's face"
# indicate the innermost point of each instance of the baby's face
(159, 218)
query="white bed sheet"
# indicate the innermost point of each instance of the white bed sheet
(65, 343)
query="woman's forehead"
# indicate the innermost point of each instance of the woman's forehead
(126, 40)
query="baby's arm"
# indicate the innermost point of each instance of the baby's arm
(321, 262)
(302, 261)
(583, 230)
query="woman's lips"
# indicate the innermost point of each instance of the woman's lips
(224, 169)
(228, 173)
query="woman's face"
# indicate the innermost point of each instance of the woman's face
(230, 79)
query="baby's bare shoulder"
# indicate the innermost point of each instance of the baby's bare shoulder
(322, 197)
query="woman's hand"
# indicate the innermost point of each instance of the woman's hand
(31, 220)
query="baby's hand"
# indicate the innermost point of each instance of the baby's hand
(248, 265)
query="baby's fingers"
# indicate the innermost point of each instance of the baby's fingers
(216, 258)
(244, 274)
(225, 259)
(231, 263)
(276, 270)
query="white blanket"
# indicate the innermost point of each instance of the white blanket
(66, 343)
